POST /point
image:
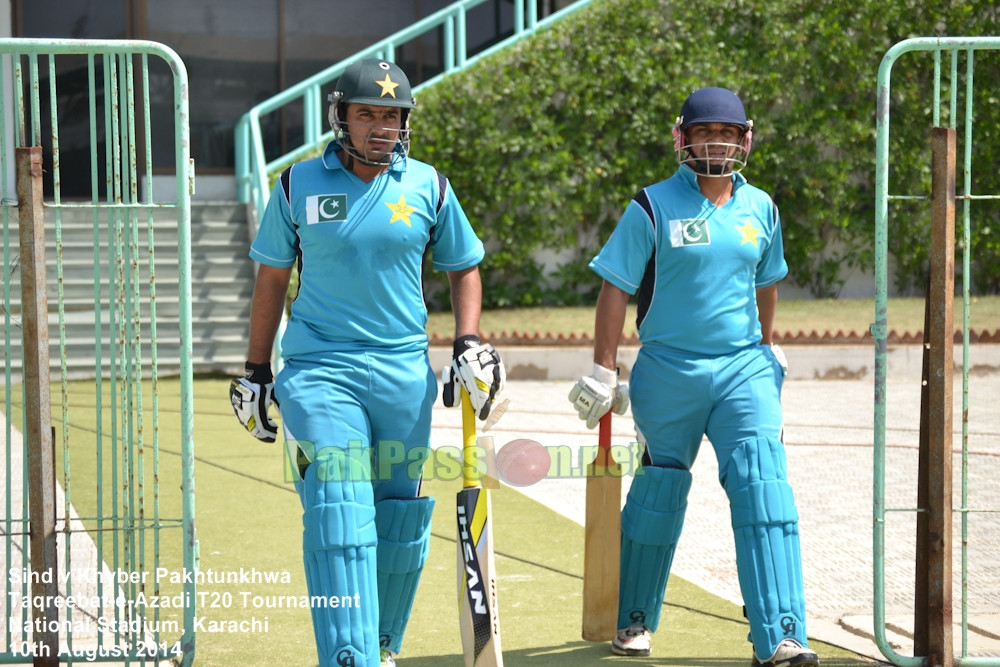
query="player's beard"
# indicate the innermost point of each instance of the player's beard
(371, 149)
(716, 159)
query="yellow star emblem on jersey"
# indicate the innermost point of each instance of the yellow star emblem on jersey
(388, 86)
(749, 233)
(400, 211)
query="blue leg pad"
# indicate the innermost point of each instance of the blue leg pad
(404, 537)
(338, 548)
(766, 532)
(651, 526)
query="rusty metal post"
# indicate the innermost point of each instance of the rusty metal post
(921, 595)
(933, 626)
(38, 425)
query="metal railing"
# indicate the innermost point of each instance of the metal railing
(935, 617)
(253, 168)
(120, 517)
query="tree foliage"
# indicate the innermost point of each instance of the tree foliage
(547, 141)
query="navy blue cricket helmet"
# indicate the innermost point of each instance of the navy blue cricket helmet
(713, 105)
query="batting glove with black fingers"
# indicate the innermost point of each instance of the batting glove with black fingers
(479, 369)
(251, 396)
(593, 395)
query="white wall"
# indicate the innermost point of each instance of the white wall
(858, 285)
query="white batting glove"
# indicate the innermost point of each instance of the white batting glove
(593, 395)
(780, 356)
(479, 369)
(251, 396)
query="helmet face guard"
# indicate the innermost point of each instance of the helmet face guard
(359, 146)
(714, 158)
(371, 82)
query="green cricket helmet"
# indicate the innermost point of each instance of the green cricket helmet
(377, 83)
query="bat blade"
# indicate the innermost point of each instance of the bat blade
(602, 541)
(478, 616)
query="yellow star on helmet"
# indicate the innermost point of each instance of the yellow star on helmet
(388, 86)
(400, 211)
(749, 233)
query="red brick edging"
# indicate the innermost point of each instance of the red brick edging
(784, 338)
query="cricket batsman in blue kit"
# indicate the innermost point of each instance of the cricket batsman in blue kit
(356, 389)
(703, 251)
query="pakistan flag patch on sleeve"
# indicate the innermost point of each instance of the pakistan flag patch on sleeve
(689, 232)
(326, 208)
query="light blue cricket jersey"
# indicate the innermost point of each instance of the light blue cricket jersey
(360, 249)
(696, 267)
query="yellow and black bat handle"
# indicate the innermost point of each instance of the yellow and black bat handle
(470, 461)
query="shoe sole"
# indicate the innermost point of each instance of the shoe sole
(797, 661)
(631, 652)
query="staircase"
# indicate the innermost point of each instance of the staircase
(221, 286)
(222, 280)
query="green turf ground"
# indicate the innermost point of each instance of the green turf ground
(249, 520)
(247, 517)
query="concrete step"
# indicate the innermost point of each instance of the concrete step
(83, 266)
(214, 350)
(213, 212)
(214, 282)
(221, 276)
(205, 300)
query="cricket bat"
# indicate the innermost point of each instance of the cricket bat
(477, 585)
(602, 540)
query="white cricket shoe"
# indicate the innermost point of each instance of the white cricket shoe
(636, 639)
(789, 653)
(386, 659)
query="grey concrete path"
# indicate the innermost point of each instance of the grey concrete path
(829, 438)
